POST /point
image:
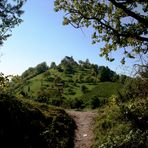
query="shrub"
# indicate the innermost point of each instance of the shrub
(95, 102)
(124, 121)
(56, 101)
(78, 103)
(74, 103)
(32, 125)
(84, 88)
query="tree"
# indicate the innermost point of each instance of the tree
(68, 64)
(53, 65)
(10, 12)
(69, 69)
(143, 71)
(94, 69)
(42, 67)
(105, 74)
(122, 79)
(87, 64)
(30, 72)
(84, 89)
(68, 60)
(4, 83)
(121, 24)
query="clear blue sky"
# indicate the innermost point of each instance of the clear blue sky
(42, 37)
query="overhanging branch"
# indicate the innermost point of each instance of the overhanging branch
(130, 13)
(107, 26)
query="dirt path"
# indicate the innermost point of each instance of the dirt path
(84, 134)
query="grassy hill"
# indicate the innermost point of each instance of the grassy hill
(67, 83)
(104, 89)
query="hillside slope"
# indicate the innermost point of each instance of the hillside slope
(68, 83)
(29, 124)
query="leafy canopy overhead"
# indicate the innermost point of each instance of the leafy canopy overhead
(121, 24)
(10, 12)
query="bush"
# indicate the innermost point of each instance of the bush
(137, 113)
(42, 96)
(78, 103)
(124, 121)
(71, 91)
(84, 89)
(56, 101)
(50, 79)
(95, 102)
(73, 103)
(42, 99)
(134, 88)
(110, 130)
(32, 125)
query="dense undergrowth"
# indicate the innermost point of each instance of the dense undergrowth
(123, 121)
(28, 124)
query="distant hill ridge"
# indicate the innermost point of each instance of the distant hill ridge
(70, 66)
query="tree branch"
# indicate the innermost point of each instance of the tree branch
(130, 13)
(116, 32)
(134, 36)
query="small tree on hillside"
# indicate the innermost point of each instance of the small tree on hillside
(53, 65)
(84, 89)
(42, 67)
(105, 74)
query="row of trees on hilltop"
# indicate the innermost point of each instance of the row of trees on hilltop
(83, 71)
(69, 66)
